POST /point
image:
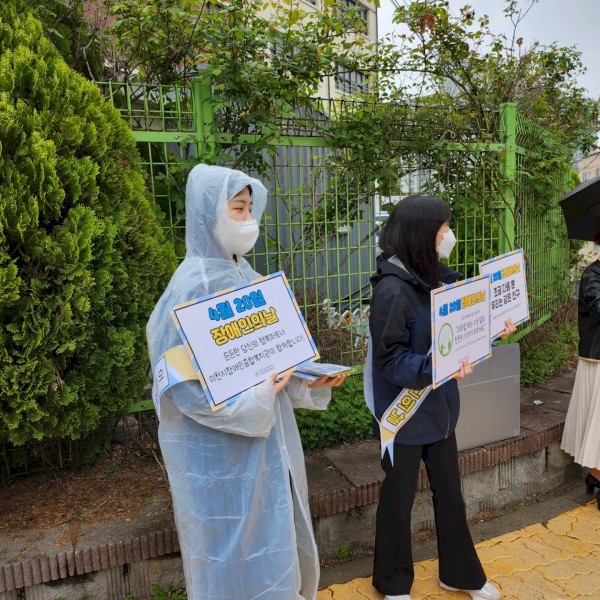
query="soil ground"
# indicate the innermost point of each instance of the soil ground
(115, 486)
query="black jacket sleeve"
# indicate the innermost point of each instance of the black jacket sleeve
(393, 358)
(591, 291)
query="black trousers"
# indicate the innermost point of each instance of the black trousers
(459, 565)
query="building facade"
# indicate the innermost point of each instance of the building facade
(588, 166)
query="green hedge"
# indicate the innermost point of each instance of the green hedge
(82, 254)
(346, 420)
(66, 26)
(552, 348)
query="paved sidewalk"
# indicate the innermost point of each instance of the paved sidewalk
(554, 560)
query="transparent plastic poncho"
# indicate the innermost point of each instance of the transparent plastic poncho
(237, 475)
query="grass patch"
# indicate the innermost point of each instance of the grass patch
(552, 348)
(346, 420)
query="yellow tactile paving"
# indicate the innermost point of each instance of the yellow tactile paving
(557, 560)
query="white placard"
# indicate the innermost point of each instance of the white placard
(508, 290)
(460, 326)
(237, 337)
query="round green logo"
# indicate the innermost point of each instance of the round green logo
(445, 339)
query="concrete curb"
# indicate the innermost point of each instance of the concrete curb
(35, 571)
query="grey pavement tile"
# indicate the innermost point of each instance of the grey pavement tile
(548, 398)
(362, 465)
(347, 571)
(539, 418)
(537, 512)
(560, 384)
(425, 550)
(322, 475)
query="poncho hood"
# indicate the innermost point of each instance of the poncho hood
(207, 267)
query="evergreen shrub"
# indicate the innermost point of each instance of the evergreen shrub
(66, 26)
(82, 254)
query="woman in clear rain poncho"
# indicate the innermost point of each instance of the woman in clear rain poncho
(237, 475)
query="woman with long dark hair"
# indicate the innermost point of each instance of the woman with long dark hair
(414, 239)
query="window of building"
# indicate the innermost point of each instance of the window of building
(350, 82)
(358, 8)
(277, 51)
(597, 172)
(585, 176)
(283, 50)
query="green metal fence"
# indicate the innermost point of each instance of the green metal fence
(321, 224)
(540, 229)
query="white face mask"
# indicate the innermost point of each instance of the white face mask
(446, 245)
(237, 237)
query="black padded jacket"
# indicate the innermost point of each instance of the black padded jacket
(589, 312)
(400, 326)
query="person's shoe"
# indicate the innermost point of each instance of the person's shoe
(590, 483)
(403, 597)
(488, 592)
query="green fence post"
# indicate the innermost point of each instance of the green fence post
(204, 121)
(508, 137)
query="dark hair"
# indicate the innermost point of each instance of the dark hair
(409, 233)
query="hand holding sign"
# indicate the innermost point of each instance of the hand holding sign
(280, 383)
(509, 329)
(329, 381)
(464, 370)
